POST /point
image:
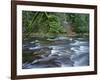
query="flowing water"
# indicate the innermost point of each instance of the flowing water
(55, 52)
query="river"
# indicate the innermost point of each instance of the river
(55, 52)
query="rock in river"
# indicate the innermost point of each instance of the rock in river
(48, 62)
(42, 51)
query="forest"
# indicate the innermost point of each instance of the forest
(46, 23)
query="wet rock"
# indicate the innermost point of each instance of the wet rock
(39, 53)
(30, 44)
(45, 60)
(26, 66)
(48, 62)
(43, 51)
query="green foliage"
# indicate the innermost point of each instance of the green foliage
(49, 22)
(80, 22)
(54, 24)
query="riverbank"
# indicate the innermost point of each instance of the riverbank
(51, 35)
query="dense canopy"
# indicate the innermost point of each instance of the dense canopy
(54, 22)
